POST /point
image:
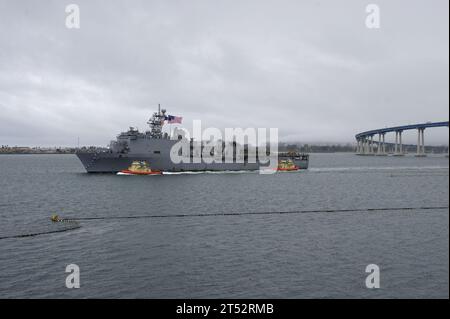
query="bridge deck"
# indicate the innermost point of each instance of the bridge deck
(402, 128)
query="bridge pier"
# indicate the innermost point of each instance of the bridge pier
(368, 146)
(360, 146)
(372, 146)
(401, 143)
(398, 144)
(379, 144)
(421, 142)
(381, 150)
(364, 146)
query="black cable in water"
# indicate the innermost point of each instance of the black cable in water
(259, 213)
(75, 225)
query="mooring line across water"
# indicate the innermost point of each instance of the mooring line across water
(75, 225)
(41, 233)
(260, 213)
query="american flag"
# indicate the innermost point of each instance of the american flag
(173, 119)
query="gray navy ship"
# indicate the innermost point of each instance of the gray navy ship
(154, 147)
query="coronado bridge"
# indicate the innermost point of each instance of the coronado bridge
(366, 143)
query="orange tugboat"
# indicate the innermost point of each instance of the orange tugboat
(287, 165)
(139, 168)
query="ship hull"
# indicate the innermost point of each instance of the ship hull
(104, 162)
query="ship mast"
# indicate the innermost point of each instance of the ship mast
(156, 122)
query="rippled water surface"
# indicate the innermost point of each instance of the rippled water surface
(302, 255)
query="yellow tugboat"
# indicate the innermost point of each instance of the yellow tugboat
(139, 168)
(287, 165)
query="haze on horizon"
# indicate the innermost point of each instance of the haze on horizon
(311, 68)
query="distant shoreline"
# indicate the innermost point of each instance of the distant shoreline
(28, 150)
(283, 147)
(312, 152)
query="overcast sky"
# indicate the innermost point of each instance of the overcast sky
(311, 68)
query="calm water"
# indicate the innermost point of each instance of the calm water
(254, 256)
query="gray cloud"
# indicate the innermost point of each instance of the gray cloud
(310, 68)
